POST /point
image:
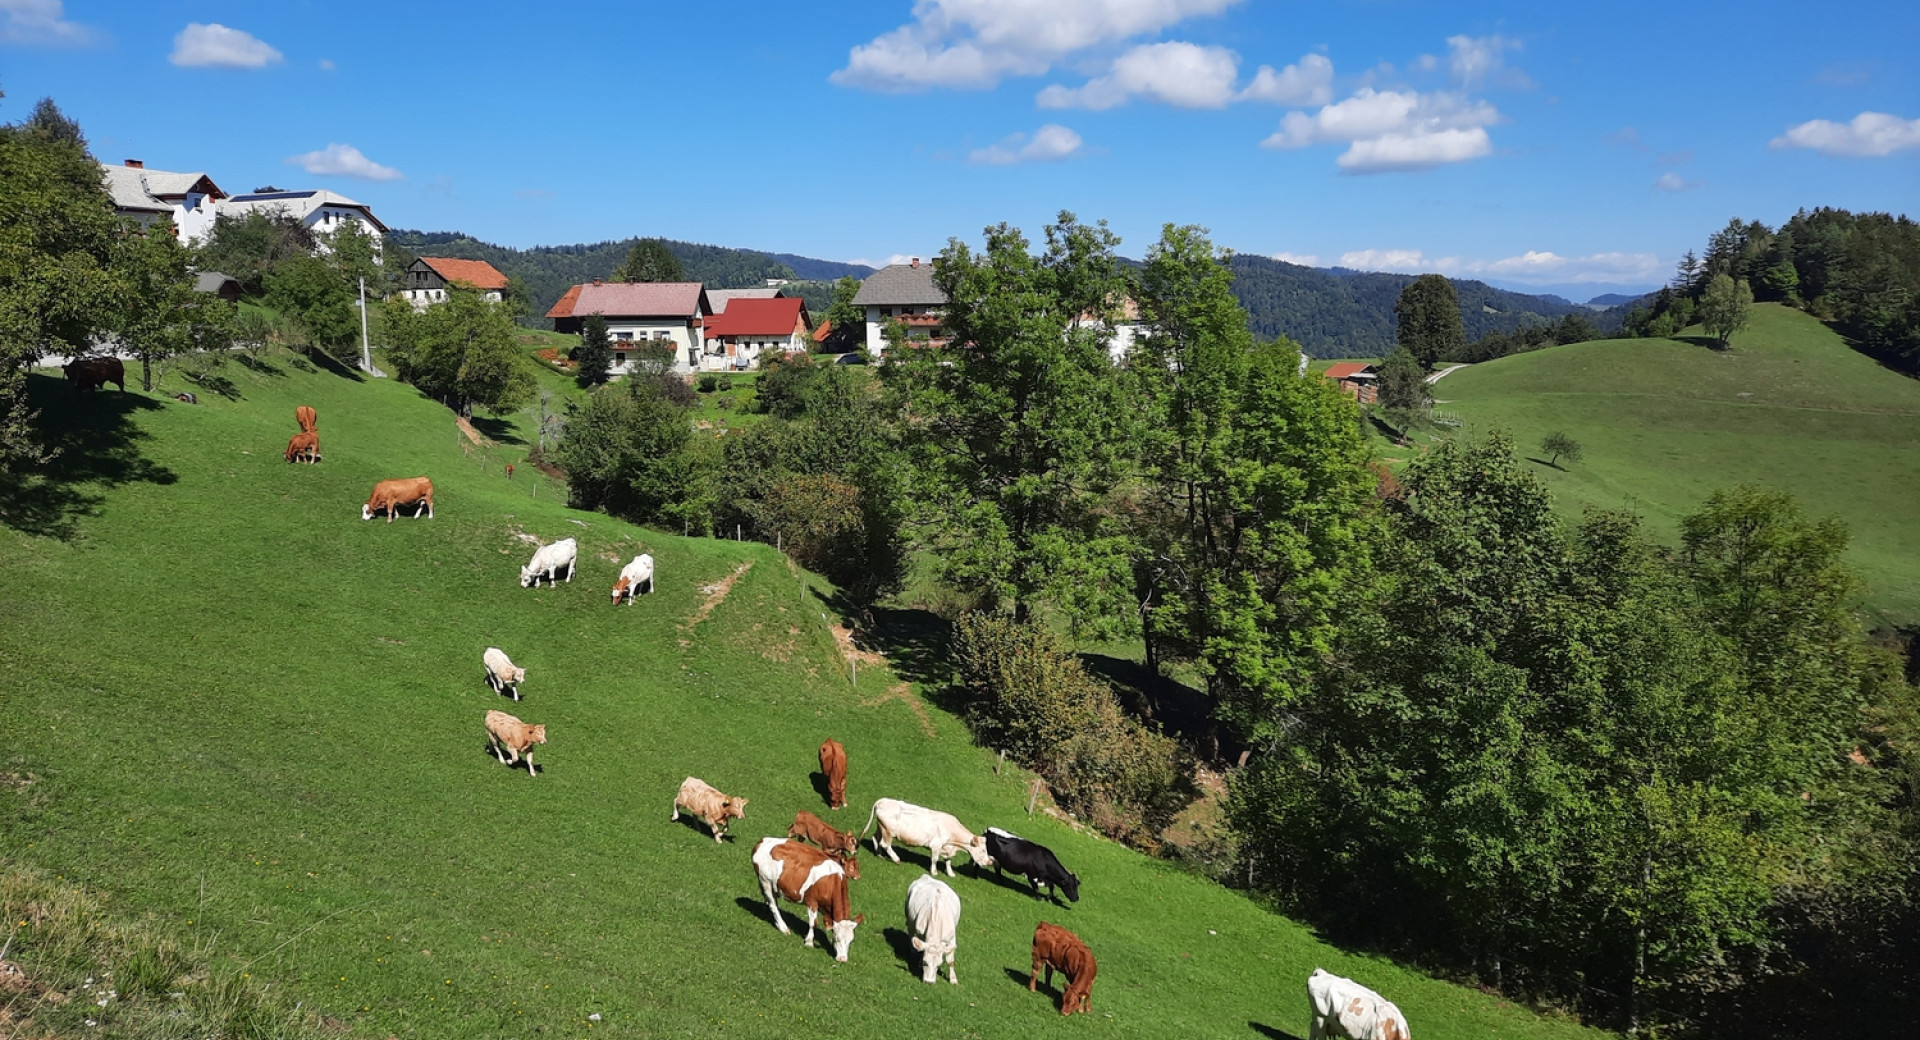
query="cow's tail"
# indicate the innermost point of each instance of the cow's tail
(871, 816)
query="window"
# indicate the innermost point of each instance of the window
(624, 337)
(619, 357)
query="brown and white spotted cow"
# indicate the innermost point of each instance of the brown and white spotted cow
(1346, 1010)
(805, 875)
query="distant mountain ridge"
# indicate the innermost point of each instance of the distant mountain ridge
(1339, 312)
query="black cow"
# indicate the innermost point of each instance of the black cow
(1037, 862)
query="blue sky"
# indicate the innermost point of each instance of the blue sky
(1567, 147)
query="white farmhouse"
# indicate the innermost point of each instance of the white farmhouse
(323, 212)
(750, 328)
(146, 196)
(904, 293)
(429, 277)
(670, 314)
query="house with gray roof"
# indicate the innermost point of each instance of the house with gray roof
(190, 200)
(719, 298)
(666, 314)
(904, 293)
(324, 212)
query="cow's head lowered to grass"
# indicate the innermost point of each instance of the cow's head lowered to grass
(843, 936)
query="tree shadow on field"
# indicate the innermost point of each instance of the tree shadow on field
(334, 366)
(916, 643)
(1182, 711)
(98, 443)
(1703, 341)
(499, 430)
(1268, 1031)
(259, 365)
(1549, 465)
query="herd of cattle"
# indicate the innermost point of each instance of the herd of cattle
(814, 863)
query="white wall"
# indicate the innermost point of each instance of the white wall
(686, 343)
(193, 217)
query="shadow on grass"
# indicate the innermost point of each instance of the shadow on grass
(1268, 1031)
(99, 447)
(699, 826)
(1549, 465)
(916, 643)
(1182, 711)
(1702, 341)
(902, 945)
(1014, 883)
(520, 766)
(331, 365)
(259, 365)
(1020, 978)
(820, 788)
(758, 908)
(499, 430)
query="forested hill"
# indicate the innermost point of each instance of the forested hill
(1343, 313)
(549, 270)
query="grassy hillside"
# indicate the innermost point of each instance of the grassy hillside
(1664, 422)
(253, 714)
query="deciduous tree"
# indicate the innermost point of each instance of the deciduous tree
(1429, 319)
(1725, 307)
(650, 261)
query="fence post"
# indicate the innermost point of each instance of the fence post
(1002, 762)
(1033, 795)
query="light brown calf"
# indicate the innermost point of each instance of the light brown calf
(511, 740)
(838, 844)
(833, 764)
(705, 801)
(309, 420)
(389, 495)
(1056, 948)
(305, 444)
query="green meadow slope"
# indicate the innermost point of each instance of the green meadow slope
(1665, 422)
(248, 711)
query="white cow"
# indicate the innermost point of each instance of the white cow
(632, 576)
(548, 560)
(933, 917)
(1343, 1008)
(937, 832)
(501, 673)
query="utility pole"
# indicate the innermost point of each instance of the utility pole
(366, 349)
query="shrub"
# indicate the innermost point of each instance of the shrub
(707, 382)
(723, 383)
(1029, 696)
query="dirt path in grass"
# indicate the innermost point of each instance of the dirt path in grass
(715, 593)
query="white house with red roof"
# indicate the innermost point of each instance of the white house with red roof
(429, 278)
(671, 314)
(748, 328)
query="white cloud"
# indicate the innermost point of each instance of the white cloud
(1303, 259)
(1388, 130)
(41, 22)
(343, 160)
(327, 65)
(1185, 75)
(975, 43)
(1533, 266)
(1477, 60)
(214, 46)
(1671, 181)
(1868, 134)
(1050, 143)
(897, 258)
(1307, 82)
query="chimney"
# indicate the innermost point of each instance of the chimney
(137, 164)
(916, 261)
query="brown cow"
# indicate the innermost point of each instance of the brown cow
(309, 422)
(705, 801)
(92, 373)
(305, 443)
(509, 471)
(1055, 947)
(510, 740)
(811, 878)
(389, 495)
(833, 765)
(838, 844)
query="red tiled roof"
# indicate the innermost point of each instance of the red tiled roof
(564, 308)
(743, 317)
(1347, 370)
(477, 273)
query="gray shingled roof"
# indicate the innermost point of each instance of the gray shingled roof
(138, 188)
(212, 281)
(717, 298)
(900, 285)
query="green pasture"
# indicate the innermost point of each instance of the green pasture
(253, 714)
(1665, 422)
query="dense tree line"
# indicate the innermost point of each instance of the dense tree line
(1860, 271)
(1573, 328)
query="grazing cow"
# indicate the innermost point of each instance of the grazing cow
(833, 765)
(811, 878)
(937, 832)
(501, 673)
(838, 844)
(389, 495)
(304, 444)
(549, 560)
(1056, 948)
(94, 373)
(933, 916)
(1342, 1008)
(1037, 862)
(308, 419)
(632, 576)
(705, 801)
(509, 471)
(186, 397)
(515, 738)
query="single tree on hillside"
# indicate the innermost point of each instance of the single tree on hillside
(1403, 384)
(1725, 307)
(461, 352)
(593, 358)
(1557, 444)
(650, 261)
(1430, 322)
